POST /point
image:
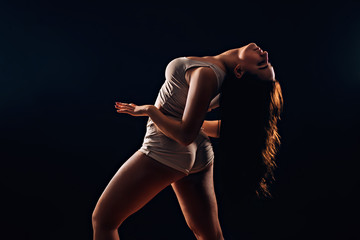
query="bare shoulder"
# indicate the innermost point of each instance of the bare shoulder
(202, 74)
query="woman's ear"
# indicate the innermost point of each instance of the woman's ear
(238, 71)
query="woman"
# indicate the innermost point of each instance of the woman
(176, 150)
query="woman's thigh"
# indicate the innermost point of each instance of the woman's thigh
(137, 181)
(196, 196)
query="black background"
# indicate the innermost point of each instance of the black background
(63, 64)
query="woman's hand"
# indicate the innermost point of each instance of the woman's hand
(132, 109)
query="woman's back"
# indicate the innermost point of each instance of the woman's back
(173, 93)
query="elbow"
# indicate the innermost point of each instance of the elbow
(187, 135)
(186, 139)
(185, 142)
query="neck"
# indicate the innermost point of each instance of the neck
(229, 59)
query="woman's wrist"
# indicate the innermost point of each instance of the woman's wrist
(149, 109)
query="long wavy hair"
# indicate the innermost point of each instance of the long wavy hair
(249, 138)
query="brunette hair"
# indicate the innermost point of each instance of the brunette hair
(249, 140)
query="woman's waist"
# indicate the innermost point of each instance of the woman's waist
(153, 132)
(169, 112)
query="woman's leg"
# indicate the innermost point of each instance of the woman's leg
(137, 181)
(197, 200)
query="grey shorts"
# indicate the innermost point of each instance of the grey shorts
(187, 159)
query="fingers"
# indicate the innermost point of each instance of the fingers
(124, 104)
(128, 108)
(125, 107)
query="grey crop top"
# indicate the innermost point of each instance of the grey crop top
(173, 93)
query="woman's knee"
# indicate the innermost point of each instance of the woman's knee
(206, 233)
(102, 222)
(207, 236)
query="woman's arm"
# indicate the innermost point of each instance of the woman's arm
(202, 88)
(215, 103)
(212, 128)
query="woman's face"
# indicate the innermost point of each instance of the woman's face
(256, 61)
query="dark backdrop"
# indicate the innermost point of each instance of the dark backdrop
(63, 64)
